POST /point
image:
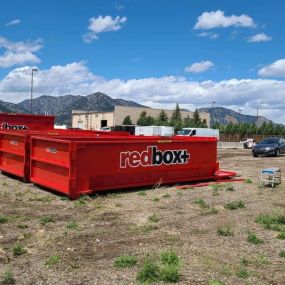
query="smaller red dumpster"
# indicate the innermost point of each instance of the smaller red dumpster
(25, 122)
(82, 167)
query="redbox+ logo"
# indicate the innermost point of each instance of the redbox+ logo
(153, 157)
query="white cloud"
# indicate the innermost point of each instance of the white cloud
(275, 69)
(161, 92)
(13, 22)
(259, 38)
(217, 19)
(199, 67)
(103, 24)
(19, 53)
(209, 35)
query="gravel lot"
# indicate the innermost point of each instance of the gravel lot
(76, 242)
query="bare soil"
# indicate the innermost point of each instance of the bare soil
(117, 223)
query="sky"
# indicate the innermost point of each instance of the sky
(156, 53)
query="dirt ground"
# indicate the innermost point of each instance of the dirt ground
(76, 242)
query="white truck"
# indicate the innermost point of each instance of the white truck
(199, 132)
(154, 131)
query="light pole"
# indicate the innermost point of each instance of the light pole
(32, 86)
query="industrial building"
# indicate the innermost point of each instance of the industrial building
(92, 120)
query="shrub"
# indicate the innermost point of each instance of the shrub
(18, 249)
(125, 261)
(8, 278)
(239, 204)
(254, 239)
(225, 231)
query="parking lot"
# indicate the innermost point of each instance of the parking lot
(77, 242)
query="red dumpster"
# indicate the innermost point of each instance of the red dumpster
(15, 147)
(82, 167)
(25, 122)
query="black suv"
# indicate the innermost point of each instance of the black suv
(269, 146)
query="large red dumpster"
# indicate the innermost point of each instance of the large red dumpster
(15, 147)
(25, 122)
(82, 167)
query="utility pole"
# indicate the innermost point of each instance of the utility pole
(211, 114)
(32, 86)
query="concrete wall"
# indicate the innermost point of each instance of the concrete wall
(91, 120)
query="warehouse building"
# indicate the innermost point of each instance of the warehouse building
(92, 120)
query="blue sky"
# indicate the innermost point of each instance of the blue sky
(154, 52)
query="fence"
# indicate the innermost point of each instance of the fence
(242, 137)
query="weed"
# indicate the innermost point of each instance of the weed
(166, 195)
(153, 218)
(172, 239)
(252, 238)
(5, 183)
(72, 225)
(156, 199)
(229, 187)
(169, 257)
(215, 282)
(125, 261)
(46, 219)
(261, 259)
(274, 221)
(142, 193)
(239, 204)
(215, 189)
(64, 198)
(282, 253)
(225, 231)
(22, 226)
(210, 211)
(18, 249)
(149, 272)
(201, 203)
(83, 199)
(242, 273)
(52, 260)
(281, 235)
(244, 261)
(179, 193)
(248, 181)
(148, 228)
(3, 220)
(8, 278)
(169, 273)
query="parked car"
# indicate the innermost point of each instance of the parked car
(269, 146)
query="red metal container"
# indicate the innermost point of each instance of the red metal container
(25, 122)
(15, 147)
(81, 167)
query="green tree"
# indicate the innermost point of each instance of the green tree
(142, 120)
(162, 119)
(127, 121)
(176, 115)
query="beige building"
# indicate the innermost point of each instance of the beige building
(91, 120)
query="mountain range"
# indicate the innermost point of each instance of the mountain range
(62, 107)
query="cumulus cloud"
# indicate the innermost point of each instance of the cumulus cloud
(103, 24)
(275, 69)
(13, 22)
(19, 53)
(217, 19)
(259, 38)
(199, 67)
(160, 92)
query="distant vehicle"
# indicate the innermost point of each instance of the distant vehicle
(269, 146)
(162, 131)
(106, 129)
(248, 143)
(199, 132)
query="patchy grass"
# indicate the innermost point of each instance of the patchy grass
(3, 219)
(18, 249)
(281, 235)
(166, 195)
(242, 272)
(239, 204)
(153, 218)
(142, 193)
(22, 226)
(225, 231)
(282, 253)
(156, 199)
(125, 261)
(252, 238)
(46, 220)
(201, 203)
(247, 180)
(72, 225)
(274, 221)
(8, 278)
(165, 268)
(229, 187)
(215, 282)
(52, 260)
(84, 199)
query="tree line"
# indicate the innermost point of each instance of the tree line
(175, 120)
(250, 129)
